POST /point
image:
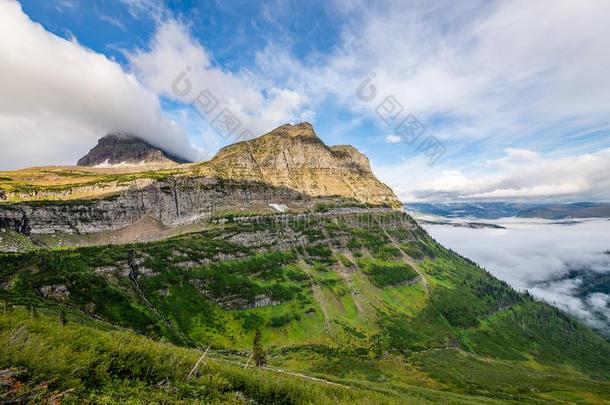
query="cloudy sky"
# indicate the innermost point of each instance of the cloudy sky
(482, 100)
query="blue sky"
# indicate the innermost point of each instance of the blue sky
(510, 100)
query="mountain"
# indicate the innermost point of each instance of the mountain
(354, 302)
(121, 149)
(289, 166)
(565, 211)
(480, 210)
(496, 210)
(294, 156)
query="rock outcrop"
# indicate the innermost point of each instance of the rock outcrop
(294, 156)
(127, 150)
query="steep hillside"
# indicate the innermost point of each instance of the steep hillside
(85, 361)
(367, 300)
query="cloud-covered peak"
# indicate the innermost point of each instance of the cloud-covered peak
(59, 97)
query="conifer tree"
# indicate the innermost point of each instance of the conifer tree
(258, 352)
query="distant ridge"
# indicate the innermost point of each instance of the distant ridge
(495, 210)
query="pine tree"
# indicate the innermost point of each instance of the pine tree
(258, 352)
(62, 318)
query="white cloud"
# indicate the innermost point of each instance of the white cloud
(525, 155)
(58, 98)
(519, 174)
(519, 74)
(393, 138)
(146, 8)
(600, 303)
(259, 105)
(115, 22)
(498, 68)
(536, 255)
(66, 4)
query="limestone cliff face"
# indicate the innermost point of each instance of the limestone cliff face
(293, 156)
(172, 202)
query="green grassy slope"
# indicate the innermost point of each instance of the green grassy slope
(85, 362)
(376, 305)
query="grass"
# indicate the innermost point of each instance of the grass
(91, 365)
(52, 183)
(11, 240)
(508, 381)
(385, 273)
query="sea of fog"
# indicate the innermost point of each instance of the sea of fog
(566, 263)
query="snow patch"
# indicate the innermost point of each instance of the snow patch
(279, 207)
(106, 163)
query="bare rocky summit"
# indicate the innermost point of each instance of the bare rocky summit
(126, 150)
(294, 156)
(292, 147)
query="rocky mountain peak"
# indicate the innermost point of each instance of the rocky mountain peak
(294, 156)
(124, 149)
(303, 129)
(292, 147)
